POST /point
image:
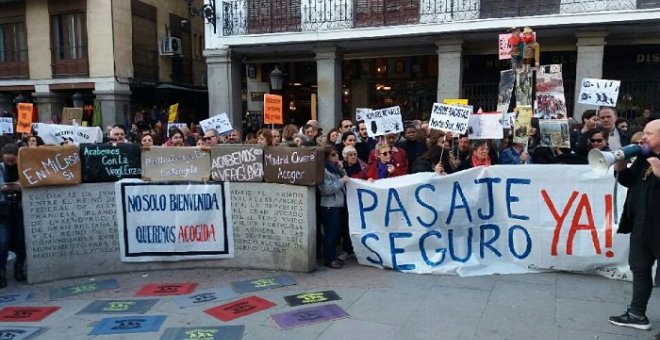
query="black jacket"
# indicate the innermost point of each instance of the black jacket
(641, 211)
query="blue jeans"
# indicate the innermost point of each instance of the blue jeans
(331, 221)
(4, 242)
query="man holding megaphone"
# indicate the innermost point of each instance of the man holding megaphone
(641, 218)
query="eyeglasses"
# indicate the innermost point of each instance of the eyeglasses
(384, 153)
(596, 140)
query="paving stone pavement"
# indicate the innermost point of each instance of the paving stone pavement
(382, 304)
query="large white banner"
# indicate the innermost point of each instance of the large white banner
(56, 134)
(500, 219)
(172, 222)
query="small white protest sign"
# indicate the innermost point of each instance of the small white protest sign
(383, 121)
(219, 122)
(508, 119)
(485, 125)
(360, 114)
(6, 125)
(452, 118)
(179, 126)
(600, 92)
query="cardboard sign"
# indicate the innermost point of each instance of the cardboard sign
(504, 49)
(298, 166)
(172, 222)
(26, 314)
(167, 289)
(550, 102)
(505, 90)
(71, 113)
(485, 125)
(119, 306)
(220, 123)
(237, 163)
(383, 121)
(239, 308)
(24, 124)
(160, 163)
(273, 111)
(360, 114)
(206, 296)
(524, 87)
(600, 92)
(555, 133)
(19, 333)
(6, 125)
(49, 165)
(108, 163)
(91, 287)
(508, 120)
(455, 101)
(128, 324)
(308, 316)
(204, 333)
(173, 111)
(311, 298)
(262, 284)
(522, 124)
(56, 133)
(452, 118)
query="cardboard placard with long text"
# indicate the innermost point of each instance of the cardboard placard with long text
(237, 163)
(297, 166)
(109, 163)
(161, 163)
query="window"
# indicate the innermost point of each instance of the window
(13, 43)
(69, 37)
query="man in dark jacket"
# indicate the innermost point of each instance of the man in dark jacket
(618, 138)
(640, 218)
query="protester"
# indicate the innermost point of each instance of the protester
(12, 234)
(616, 137)
(233, 137)
(310, 132)
(640, 219)
(298, 140)
(354, 167)
(264, 137)
(347, 139)
(430, 161)
(480, 156)
(147, 141)
(643, 118)
(176, 139)
(383, 166)
(199, 142)
(411, 145)
(211, 137)
(276, 137)
(288, 132)
(34, 141)
(346, 125)
(333, 137)
(515, 154)
(622, 124)
(364, 143)
(398, 156)
(579, 144)
(331, 205)
(117, 135)
(598, 139)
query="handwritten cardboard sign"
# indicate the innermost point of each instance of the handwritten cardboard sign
(176, 164)
(599, 92)
(273, 111)
(452, 118)
(172, 113)
(49, 165)
(237, 163)
(298, 166)
(71, 113)
(6, 125)
(108, 163)
(486, 125)
(24, 124)
(383, 121)
(220, 123)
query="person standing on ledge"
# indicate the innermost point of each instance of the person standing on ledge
(12, 235)
(640, 218)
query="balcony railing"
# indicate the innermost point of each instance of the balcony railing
(241, 17)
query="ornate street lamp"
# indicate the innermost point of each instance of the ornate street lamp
(207, 11)
(276, 78)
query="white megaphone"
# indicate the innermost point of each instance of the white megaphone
(600, 161)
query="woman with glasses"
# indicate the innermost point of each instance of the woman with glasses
(332, 205)
(383, 166)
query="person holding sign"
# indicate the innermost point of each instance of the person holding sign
(332, 203)
(383, 167)
(11, 215)
(640, 219)
(399, 158)
(480, 156)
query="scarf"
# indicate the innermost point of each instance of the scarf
(382, 170)
(476, 162)
(352, 169)
(333, 169)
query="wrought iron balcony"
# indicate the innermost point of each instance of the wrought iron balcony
(241, 17)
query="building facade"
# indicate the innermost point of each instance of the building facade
(71, 53)
(339, 55)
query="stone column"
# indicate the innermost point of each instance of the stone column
(450, 68)
(224, 85)
(328, 79)
(49, 104)
(115, 107)
(590, 51)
